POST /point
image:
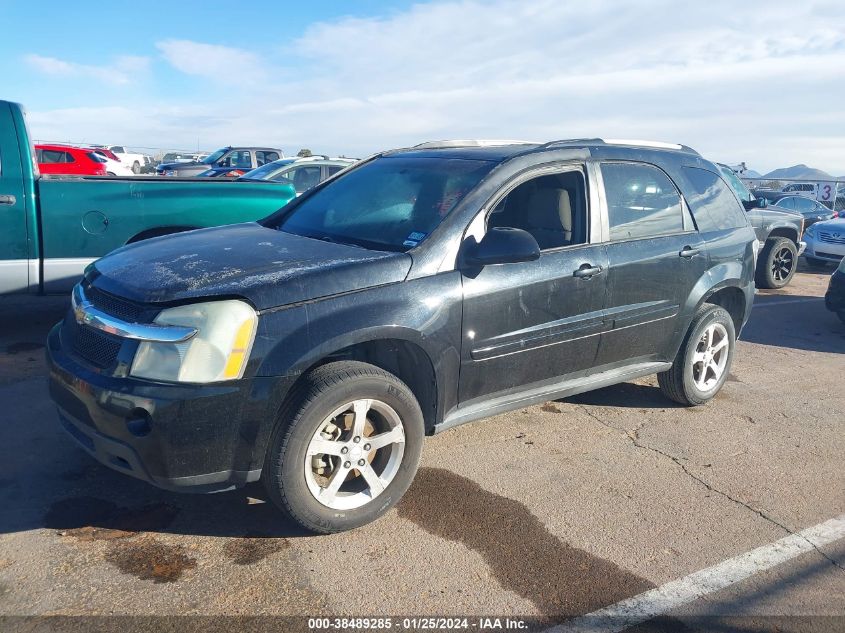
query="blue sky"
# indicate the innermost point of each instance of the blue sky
(759, 82)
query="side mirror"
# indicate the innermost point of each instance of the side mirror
(757, 203)
(503, 245)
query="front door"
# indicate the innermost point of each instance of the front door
(535, 322)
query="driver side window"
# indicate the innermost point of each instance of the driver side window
(552, 208)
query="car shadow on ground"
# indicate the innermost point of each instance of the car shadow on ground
(625, 395)
(794, 321)
(60, 487)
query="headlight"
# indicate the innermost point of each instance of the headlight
(218, 351)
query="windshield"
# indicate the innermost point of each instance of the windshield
(265, 172)
(737, 185)
(213, 158)
(391, 203)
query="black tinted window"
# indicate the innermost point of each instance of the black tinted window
(390, 203)
(641, 201)
(711, 197)
(552, 208)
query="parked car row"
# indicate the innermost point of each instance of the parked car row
(226, 158)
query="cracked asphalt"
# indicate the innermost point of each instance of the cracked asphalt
(546, 513)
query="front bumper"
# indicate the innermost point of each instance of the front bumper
(197, 438)
(802, 246)
(824, 250)
(834, 298)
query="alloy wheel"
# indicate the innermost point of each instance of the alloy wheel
(710, 357)
(782, 264)
(354, 454)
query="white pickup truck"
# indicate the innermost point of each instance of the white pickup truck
(134, 161)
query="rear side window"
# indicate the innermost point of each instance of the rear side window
(786, 203)
(712, 202)
(641, 201)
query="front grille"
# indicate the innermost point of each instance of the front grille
(832, 238)
(98, 348)
(115, 306)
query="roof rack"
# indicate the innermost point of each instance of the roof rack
(619, 141)
(470, 143)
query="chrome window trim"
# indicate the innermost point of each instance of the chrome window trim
(86, 314)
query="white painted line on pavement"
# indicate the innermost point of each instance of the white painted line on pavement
(769, 304)
(676, 593)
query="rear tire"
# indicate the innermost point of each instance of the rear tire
(704, 360)
(136, 167)
(777, 263)
(345, 449)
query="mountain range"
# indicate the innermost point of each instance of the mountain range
(796, 172)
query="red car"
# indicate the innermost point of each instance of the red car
(67, 160)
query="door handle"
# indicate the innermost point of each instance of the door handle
(586, 271)
(8, 199)
(688, 252)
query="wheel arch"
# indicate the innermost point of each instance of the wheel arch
(159, 231)
(784, 230)
(397, 352)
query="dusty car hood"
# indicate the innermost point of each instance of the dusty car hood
(268, 267)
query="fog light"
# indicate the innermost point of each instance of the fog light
(139, 423)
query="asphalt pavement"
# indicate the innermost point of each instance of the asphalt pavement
(543, 514)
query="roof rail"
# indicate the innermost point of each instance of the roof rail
(619, 141)
(470, 143)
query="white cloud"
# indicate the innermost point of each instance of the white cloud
(221, 63)
(755, 81)
(123, 70)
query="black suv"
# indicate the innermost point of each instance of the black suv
(418, 290)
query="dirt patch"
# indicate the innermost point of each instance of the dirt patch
(550, 407)
(249, 550)
(562, 581)
(149, 559)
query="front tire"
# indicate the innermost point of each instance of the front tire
(346, 447)
(702, 364)
(136, 168)
(777, 264)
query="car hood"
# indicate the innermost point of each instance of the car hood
(773, 211)
(266, 266)
(837, 225)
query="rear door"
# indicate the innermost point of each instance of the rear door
(17, 262)
(655, 257)
(535, 322)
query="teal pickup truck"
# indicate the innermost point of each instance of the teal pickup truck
(52, 227)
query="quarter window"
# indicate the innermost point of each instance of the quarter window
(711, 196)
(641, 201)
